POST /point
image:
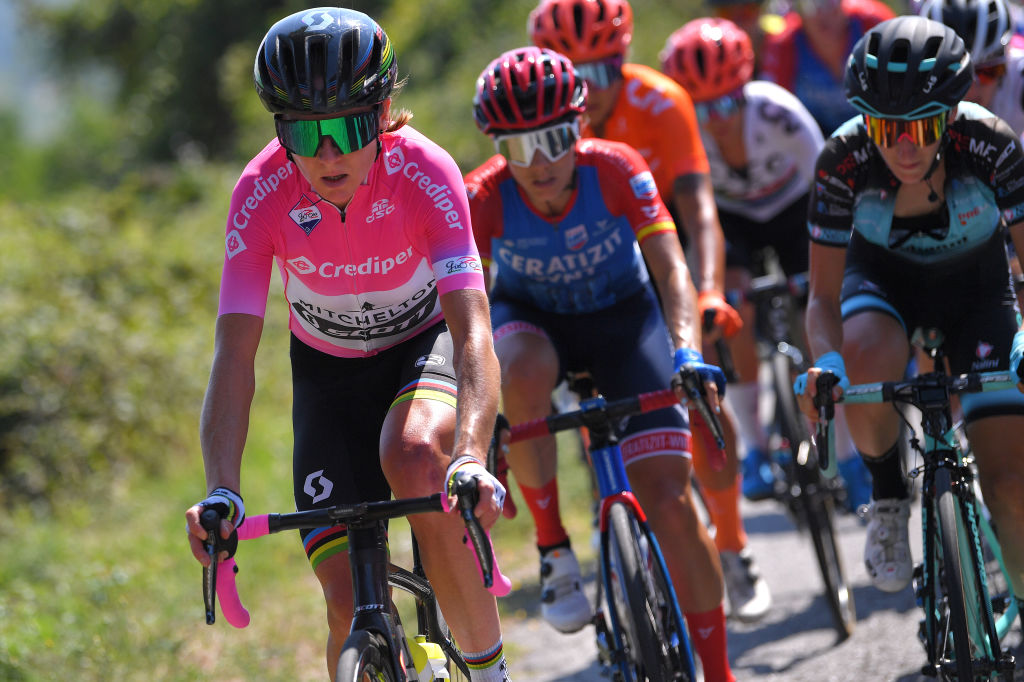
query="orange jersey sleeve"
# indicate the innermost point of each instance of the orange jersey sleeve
(655, 116)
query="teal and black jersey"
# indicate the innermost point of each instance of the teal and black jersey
(854, 191)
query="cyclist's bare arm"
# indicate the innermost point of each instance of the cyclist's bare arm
(694, 200)
(667, 264)
(467, 313)
(823, 318)
(224, 422)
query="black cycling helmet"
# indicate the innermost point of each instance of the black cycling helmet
(324, 60)
(909, 67)
(984, 25)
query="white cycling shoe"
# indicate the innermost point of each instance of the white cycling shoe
(887, 546)
(562, 602)
(745, 587)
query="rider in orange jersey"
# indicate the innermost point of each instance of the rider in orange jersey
(647, 110)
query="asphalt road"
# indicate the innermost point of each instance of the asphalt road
(795, 642)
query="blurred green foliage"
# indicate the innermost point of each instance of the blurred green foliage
(112, 241)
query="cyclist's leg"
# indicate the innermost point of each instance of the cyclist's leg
(529, 371)
(995, 424)
(415, 449)
(655, 451)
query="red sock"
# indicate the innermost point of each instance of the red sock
(543, 504)
(707, 635)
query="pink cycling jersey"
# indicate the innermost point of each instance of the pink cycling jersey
(357, 281)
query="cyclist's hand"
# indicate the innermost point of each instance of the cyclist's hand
(231, 508)
(711, 375)
(1016, 354)
(712, 304)
(805, 385)
(489, 489)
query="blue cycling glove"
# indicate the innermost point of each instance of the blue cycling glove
(1016, 354)
(829, 362)
(693, 359)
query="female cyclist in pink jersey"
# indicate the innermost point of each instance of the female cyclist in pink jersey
(565, 226)
(395, 380)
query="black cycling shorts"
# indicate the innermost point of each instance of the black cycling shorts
(786, 233)
(970, 301)
(338, 411)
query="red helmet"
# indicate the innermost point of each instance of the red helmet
(709, 57)
(583, 30)
(527, 88)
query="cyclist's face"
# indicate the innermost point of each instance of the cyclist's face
(601, 103)
(908, 161)
(547, 184)
(335, 176)
(982, 92)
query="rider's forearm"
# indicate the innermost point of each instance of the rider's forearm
(224, 423)
(479, 379)
(679, 306)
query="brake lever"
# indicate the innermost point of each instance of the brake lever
(826, 413)
(692, 384)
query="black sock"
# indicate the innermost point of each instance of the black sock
(887, 475)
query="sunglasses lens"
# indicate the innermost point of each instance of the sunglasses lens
(990, 74)
(349, 133)
(886, 132)
(602, 74)
(553, 143)
(720, 108)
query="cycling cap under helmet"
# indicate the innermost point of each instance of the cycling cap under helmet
(324, 61)
(984, 25)
(583, 30)
(909, 67)
(708, 57)
(527, 88)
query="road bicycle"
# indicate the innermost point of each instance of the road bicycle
(809, 497)
(377, 648)
(643, 636)
(964, 618)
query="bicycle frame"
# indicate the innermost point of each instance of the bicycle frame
(941, 452)
(613, 487)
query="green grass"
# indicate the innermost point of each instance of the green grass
(108, 590)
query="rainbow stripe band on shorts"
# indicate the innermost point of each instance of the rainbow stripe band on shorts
(428, 388)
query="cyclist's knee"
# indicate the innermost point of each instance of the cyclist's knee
(413, 467)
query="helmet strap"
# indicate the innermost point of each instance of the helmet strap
(933, 196)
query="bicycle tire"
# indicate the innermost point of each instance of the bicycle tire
(960, 579)
(632, 600)
(365, 657)
(815, 502)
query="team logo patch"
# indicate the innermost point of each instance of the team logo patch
(234, 244)
(305, 214)
(983, 350)
(431, 359)
(302, 265)
(643, 185)
(576, 237)
(379, 209)
(394, 160)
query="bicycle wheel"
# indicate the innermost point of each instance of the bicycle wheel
(642, 602)
(814, 502)
(365, 657)
(969, 608)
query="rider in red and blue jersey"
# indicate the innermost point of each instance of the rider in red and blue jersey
(395, 381)
(564, 225)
